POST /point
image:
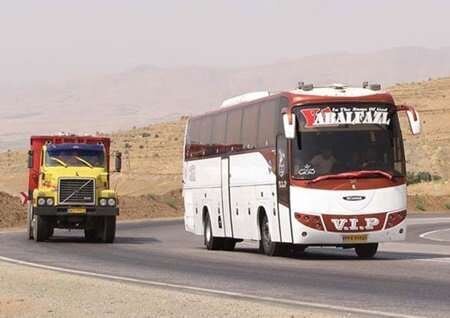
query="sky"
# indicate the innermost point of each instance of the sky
(52, 40)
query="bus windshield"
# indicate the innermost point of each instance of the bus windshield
(336, 139)
(75, 156)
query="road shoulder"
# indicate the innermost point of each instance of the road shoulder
(33, 292)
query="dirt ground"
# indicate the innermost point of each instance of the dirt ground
(152, 161)
(65, 295)
(13, 213)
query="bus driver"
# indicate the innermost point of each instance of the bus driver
(323, 163)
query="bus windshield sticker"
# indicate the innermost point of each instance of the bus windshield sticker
(334, 116)
(307, 170)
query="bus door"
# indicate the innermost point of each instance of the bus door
(226, 212)
(283, 197)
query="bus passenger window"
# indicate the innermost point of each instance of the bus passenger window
(233, 139)
(250, 127)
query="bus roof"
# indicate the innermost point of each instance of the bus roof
(335, 93)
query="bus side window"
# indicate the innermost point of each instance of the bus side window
(194, 138)
(250, 126)
(205, 135)
(219, 132)
(233, 139)
(267, 122)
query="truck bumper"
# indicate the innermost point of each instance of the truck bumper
(66, 211)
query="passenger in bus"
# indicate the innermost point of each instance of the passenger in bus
(370, 160)
(355, 161)
(323, 163)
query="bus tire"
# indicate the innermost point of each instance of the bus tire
(366, 250)
(229, 244)
(30, 222)
(266, 245)
(108, 229)
(211, 242)
(40, 228)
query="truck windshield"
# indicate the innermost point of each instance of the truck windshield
(75, 157)
(335, 139)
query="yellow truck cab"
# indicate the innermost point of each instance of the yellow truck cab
(69, 187)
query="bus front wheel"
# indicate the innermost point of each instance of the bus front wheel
(266, 245)
(366, 250)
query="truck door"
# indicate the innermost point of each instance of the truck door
(226, 211)
(283, 197)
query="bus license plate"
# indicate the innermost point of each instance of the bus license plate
(77, 210)
(354, 238)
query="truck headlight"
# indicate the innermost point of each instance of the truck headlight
(103, 202)
(41, 201)
(50, 201)
(111, 202)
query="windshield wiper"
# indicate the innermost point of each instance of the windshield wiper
(62, 163)
(87, 163)
(353, 174)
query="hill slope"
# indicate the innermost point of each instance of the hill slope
(153, 154)
(148, 94)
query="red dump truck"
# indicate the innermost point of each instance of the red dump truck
(69, 187)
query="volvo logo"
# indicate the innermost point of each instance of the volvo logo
(354, 198)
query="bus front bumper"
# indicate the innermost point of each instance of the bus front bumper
(307, 236)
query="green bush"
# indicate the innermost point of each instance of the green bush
(420, 204)
(421, 176)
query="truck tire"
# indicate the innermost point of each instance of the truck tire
(40, 228)
(30, 222)
(266, 245)
(108, 229)
(91, 235)
(366, 250)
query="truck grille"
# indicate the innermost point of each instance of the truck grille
(77, 191)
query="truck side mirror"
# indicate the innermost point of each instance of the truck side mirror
(289, 125)
(414, 121)
(30, 159)
(118, 162)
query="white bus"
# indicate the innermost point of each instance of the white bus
(316, 166)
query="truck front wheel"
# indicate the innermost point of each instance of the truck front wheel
(91, 235)
(41, 228)
(108, 229)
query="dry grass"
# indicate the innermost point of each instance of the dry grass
(152, 155)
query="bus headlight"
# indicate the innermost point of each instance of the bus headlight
(111, 202)
(312, 221)
(103, 202)
(395, 219)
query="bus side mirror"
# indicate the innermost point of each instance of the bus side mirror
(289, 125)
(118, 162)
(414, 121)
(30, 159)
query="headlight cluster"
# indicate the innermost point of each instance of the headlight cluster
(107, 202)
(45, 201)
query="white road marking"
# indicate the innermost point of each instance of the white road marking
(437, 260)
(209, 290)
(431, 220)
(424, 235)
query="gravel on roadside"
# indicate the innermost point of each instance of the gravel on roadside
(32, 292)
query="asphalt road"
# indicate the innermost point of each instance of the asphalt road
(410, 278)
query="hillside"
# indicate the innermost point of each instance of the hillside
(150, 94)
(152, 154)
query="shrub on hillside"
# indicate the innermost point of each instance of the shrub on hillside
(421, 176)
